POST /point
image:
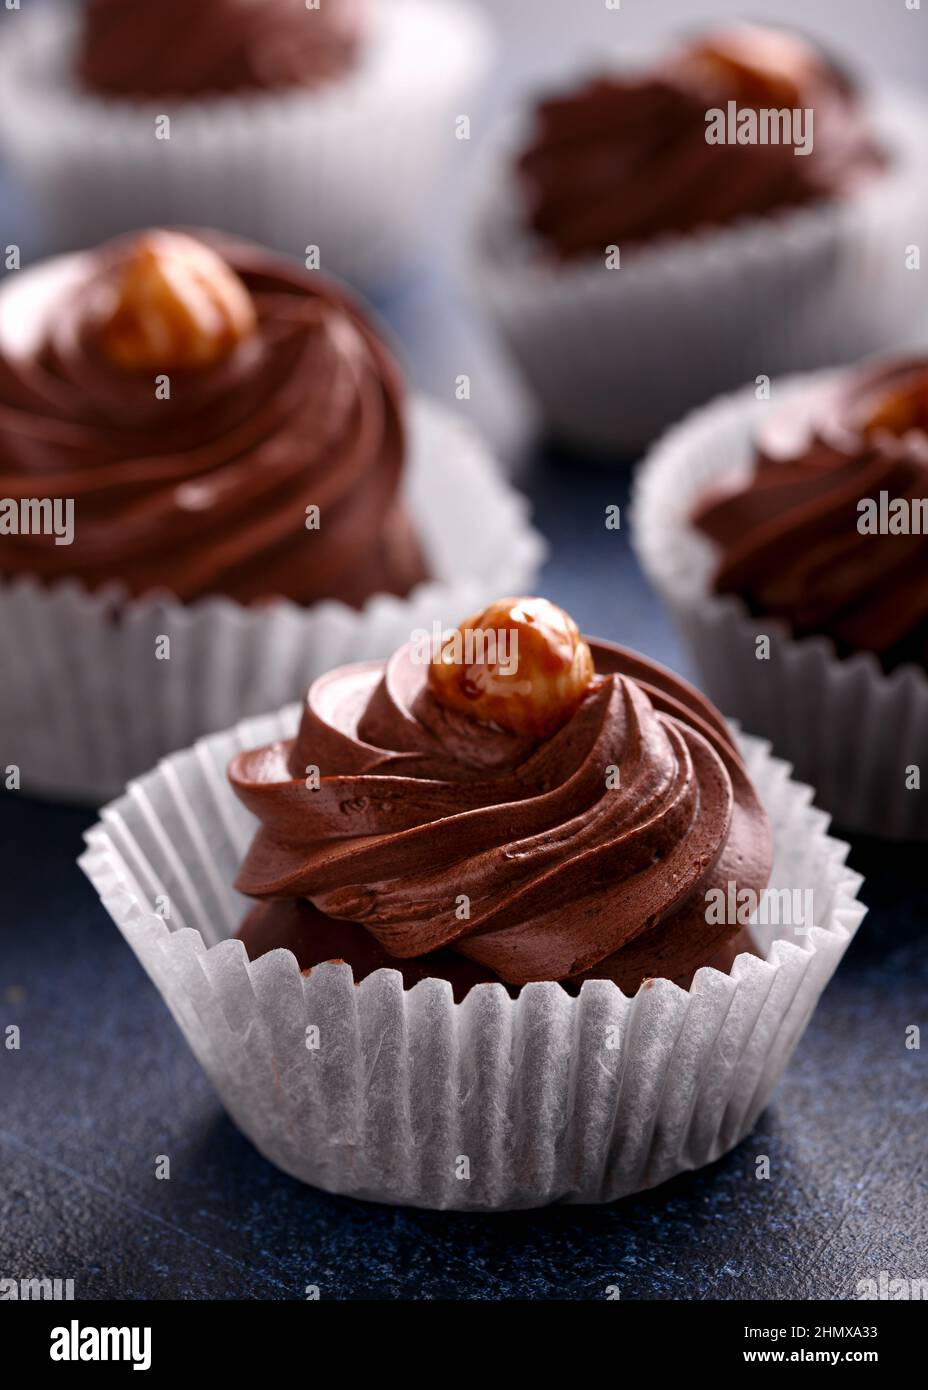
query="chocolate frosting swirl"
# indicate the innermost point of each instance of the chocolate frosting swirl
(293, 924)
(789, 537)
(567, 877)
(193, 47)
(624, 159)
(206, 493)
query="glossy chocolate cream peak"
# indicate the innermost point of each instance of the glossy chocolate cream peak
(623, 160)
(789, 536)
(284, 399)
(587, 854)
(189, 48)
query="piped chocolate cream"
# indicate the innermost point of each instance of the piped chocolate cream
(625, 160)
(195, 395)
(579, 842)
(191, 48)
(830, 530)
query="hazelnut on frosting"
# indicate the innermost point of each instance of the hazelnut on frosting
(540, 671)
(279, 395)
(768, 66)
(175, 305)
(901, 407)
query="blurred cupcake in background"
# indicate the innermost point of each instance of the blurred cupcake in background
(650, 237)
(790, 539)
(132, 50)
(298, 125)
(230, 493)
(490, 873)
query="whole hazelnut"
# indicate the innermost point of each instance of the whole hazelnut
(756, 65)
(521, 664)
(176, 305)
(901, 410)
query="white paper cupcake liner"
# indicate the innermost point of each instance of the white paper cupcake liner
(351, 168)
(85, 704)
(613, 356)
(847, 727)
(489, 1104)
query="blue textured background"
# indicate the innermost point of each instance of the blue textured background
(104, 1082)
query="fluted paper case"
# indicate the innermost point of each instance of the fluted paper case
(495, 1103)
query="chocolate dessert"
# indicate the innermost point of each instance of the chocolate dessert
(830, 531)
(625, 159)
(557, 816)
(177, 48)
(225, 422)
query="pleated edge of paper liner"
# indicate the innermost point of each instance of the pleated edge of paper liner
(789, 971)
(130, 906)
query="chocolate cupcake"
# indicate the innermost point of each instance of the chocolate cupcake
(583, 804)
(130, 48)
(627, 159)
(225, 442)
(298, 126)
(791, 552)
(830, 532)
(656, 235)
(194, 396)
(480, 867)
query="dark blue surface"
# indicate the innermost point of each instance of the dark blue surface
(103, 1084)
